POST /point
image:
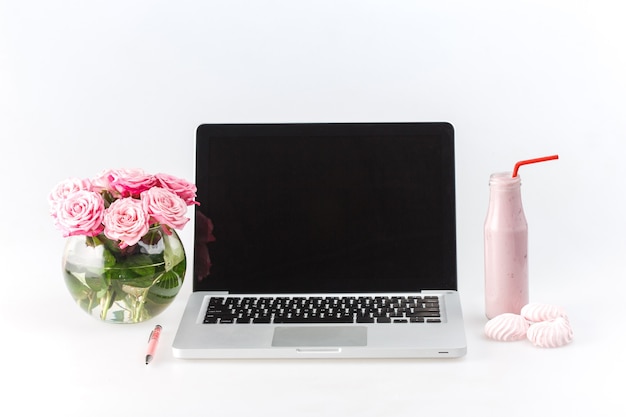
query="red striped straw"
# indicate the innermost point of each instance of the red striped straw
(532, 161)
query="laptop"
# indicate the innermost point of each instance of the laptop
(324, 240)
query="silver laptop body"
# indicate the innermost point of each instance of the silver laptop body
(322, 240)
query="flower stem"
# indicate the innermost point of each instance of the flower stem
(137, 308)
(107, 302)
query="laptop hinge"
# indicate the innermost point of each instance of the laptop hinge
(436, 291)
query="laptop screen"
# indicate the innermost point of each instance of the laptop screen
(315, 208)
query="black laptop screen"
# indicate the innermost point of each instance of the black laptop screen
(325, 208)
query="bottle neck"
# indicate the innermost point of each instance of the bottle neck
(505, 199)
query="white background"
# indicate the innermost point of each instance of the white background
(90, 85)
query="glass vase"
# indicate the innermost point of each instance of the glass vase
(127, 285)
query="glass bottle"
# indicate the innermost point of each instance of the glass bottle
(506, 247)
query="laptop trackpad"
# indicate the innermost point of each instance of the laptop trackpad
(320, 336)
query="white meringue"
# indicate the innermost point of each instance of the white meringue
(507, 327)
(537, 312)
(551, 334)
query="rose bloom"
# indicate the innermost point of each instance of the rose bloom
(165, 207)
(130, 182)
(179, 186)
(125, 220)
(81, 213)
(102, 181)
(60, 192)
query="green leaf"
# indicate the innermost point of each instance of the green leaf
(141, 265)
(75, 284)
(109, 259)
(174, 253)
(152, 237)
(166, 288)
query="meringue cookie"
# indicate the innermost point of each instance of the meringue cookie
(551, 334)
(537, 312)
(507, 327)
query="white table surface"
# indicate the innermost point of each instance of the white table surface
(55, 357)
(86, 86)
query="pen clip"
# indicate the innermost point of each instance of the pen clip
(156, 328)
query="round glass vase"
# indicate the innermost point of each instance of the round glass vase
(128, 285)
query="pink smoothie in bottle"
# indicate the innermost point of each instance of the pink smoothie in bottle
(506, 247)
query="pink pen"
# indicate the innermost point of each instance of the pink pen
(152, 342)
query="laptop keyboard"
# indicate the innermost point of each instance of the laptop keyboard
(348, 309)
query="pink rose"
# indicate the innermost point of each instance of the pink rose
(125, 220)
(165, 207)
(63, 189)
(81, 213)
(179, 186)
(102, 182)
(130, 182)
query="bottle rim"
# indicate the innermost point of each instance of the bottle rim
(504, 179)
